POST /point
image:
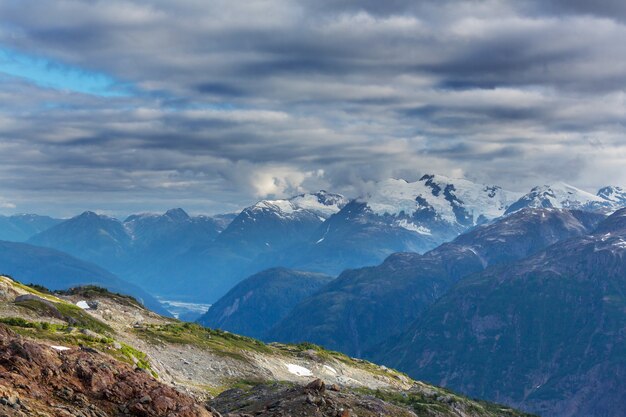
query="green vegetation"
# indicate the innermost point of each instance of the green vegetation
(64, 334)
(218, 341)
(93, 291)
(40, 288)
(435, 401)
(242, 384)
(135, 357)
(79, 318)
(330, 355)
(45, 293)
(70, 313)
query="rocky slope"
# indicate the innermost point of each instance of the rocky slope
(319, 399)
(364, 307)
(37, 380)
(257, 303)
(92, 353)
(545, 334)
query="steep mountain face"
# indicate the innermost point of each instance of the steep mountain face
(354, 237)
(545, 333)
(561, 195)
(437, 205)
(20, 227)
(257, 303)
(57, 270)
(364, 307)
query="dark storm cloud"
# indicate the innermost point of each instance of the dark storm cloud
(231, 101)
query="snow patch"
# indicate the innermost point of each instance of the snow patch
(405, 224)
(322, 204)
(83, 304)
(60, 348)
(298, 370)
(331, 369)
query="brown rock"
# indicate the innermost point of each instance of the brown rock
(35, 377)
(317, 386)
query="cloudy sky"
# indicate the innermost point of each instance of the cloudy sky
(127, 105)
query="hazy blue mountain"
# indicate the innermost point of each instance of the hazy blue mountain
(137, 248)
(252, 242)
(546, 333)
(257, 303)
(57, 270)
(21, 227)
(91, 237)
(366, 306)
(170, 233)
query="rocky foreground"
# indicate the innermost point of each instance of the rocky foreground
(91, 353)
(40, 380)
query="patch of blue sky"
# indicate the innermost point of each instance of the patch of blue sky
(51, 74)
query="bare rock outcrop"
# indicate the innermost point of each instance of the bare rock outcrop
(37, 380)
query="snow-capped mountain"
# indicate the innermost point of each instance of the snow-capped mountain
(561, 195)
(322, 204)
(276, 223)
(398, 216)
(436, 198)
(614, 194)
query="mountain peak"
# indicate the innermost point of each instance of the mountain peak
(90, 216)
(449, 200)
(177, 214)
(559, 195)
(321, 203)
(613, 193)
(88, 213)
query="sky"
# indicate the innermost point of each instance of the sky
(123, 106)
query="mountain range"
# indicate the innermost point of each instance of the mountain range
(20, 227)
(321, 232)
